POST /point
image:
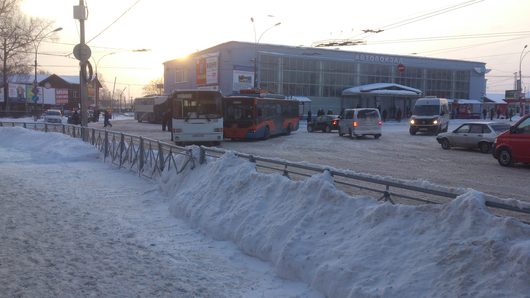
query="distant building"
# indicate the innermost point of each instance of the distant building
(58, 91)
(322, 75)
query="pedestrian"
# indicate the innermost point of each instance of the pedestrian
(106, 118)
(484, 113)
(308, 116)
(76, 120)
(166, 120)
(510, 114)
(492, 113)
(398, 115)
(384, 115)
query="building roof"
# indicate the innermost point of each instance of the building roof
(465, 101)
(382, 89)
(300, 98)
(494, 100)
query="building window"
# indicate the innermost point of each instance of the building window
(181, 75)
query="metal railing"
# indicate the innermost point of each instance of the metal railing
(149, 158)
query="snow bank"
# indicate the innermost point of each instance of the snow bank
(54, 147)
(355, 247)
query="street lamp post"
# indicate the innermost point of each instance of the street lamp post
(520, 83)
(37, 42)
(256, 43)
(96, 63)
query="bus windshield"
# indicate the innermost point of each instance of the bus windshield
(193, 105)
(426, 110)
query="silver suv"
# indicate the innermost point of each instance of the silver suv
(53, 116)
(360, 122)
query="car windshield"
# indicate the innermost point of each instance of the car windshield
(53, 113)
(426, 110)
(500, 127)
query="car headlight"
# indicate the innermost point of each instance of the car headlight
(412, 121)
(435, 121)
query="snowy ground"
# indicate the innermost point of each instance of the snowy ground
(396, 154)
(76, 227)
(73, 226)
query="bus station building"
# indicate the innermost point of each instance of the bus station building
(331, 79)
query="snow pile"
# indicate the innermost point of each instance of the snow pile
(355, 247)
(50, 149)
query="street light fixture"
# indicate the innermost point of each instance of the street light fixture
(96, 63)
(520, 83)
(37, 42)
(256, 43)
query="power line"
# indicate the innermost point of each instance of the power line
(116, 20)
(406, 21)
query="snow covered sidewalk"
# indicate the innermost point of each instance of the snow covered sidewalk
(72, 226)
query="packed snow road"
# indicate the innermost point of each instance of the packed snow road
(396, 154)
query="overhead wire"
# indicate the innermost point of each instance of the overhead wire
(115, 21)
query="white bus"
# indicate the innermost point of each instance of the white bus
(150, 108)
(197, 116)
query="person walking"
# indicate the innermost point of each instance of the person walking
(308, 116)
(166, 121)
(106, 118)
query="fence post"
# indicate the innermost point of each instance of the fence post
(202, 155)
(106, 146)
(160, 156)
(141, 157)
(122, 147)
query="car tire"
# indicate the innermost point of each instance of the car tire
(412, 131)
(445, 144)
(340, 133)
(310, 128)
(505, 157)
(327, 128)
(377, 136)
(350, 133)
(484, 147)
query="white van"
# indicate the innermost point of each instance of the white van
(430, 114)
(360, 122)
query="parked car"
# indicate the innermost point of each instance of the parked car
(514, 145)
(360, 122)
(53, 116)
(325, 123)
(473, 135)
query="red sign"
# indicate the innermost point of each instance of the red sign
(61, 96)
(401, 67)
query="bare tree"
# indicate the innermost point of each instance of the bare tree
(18, 36)
(154, 87)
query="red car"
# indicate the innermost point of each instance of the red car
(514, 145)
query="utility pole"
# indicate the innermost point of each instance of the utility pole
(82, 53)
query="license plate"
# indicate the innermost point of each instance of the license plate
(197, 135)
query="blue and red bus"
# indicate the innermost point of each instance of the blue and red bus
(254, 115)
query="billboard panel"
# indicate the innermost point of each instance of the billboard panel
(207, 69)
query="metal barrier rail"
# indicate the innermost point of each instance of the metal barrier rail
(149, 158)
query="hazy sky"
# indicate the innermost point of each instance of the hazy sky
(173, 29)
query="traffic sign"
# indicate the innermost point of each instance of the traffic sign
(401, 67)
(82, 52)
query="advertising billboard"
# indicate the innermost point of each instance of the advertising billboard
(207, 69)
